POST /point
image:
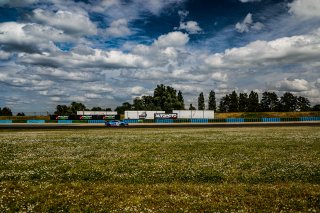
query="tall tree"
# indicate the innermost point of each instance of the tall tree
(96, 109)
(224, 104)
(0, 112)
(75, 106)
(269, 102)
(125, 106)
(165, 98)
(6, 111)
(243, 102)
(234, 102)
(303, 104)
(181, 100)
(288, 102)
(62, 110)
(201, 105)
(212, 105)
(253, 102)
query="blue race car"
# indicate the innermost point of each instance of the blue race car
(116, 123)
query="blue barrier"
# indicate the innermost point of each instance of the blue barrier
(271, 120)
(36, 121)
(310, 119)
(96, 121)
(235, 120)
(64, 121)
(132, 121)
(164, 121)
(202, 120)
(5, 121)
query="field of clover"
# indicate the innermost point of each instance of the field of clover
(160, 170)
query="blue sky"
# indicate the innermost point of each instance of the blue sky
(106, 52)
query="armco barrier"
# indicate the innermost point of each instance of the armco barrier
(64, 121)
(235, 120)
(164, 121)
(202, 120)
(5, 121)
(271, 120)
(248, 120)
(36, 121)
(133, 121)
(310, 119)
(289, 119)
(217, 120)
(96, 121)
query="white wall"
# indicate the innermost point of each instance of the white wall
(187, 114)
(135, 114)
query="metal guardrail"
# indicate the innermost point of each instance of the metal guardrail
(132, 121)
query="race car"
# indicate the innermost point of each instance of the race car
(115, 123)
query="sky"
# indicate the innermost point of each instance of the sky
(106, 52)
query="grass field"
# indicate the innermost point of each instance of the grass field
(161, 170)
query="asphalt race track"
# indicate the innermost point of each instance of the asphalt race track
(17, 126)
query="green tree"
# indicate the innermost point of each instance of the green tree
(125, 106)
(62, 110)
(20, 114)
(224, 104)
(253, 102)
(288, 102)
(316, 107)
(6, 111)
(234, 102)
(0, 112)
(181, 100)
(192, 107)
(243, 102)
(212, 105)
(269, 102)
(303, 104)
(96, 109)
(165, 98)
(75, 106)
(201, 105)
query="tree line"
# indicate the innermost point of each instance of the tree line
(166, 98)
(270, 102)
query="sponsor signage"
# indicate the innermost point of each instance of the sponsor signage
(86, 117)
(96, 113)
(109, 117)
(165, 115)
(143, 115)
(62, 117)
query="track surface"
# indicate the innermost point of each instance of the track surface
(153, 125)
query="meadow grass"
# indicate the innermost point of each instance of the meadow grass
(161, 170)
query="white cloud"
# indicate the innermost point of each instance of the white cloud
(283, 51)
(98, 59)
(296, 85)
(4, 55)
(30, 37)
(191, 27)
(305, 9)
(118, 28)
(219, 76)
(69, 22)
(248, 24)
(172, 39)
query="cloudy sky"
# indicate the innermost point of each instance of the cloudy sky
(106, 52)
